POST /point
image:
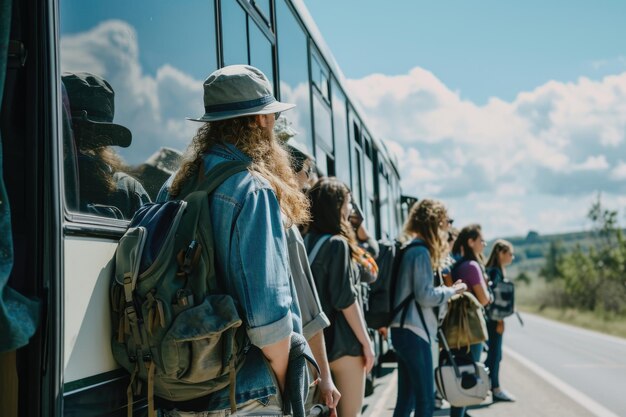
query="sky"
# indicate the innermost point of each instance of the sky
(513, 113)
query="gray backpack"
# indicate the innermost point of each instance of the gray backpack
(173, 327)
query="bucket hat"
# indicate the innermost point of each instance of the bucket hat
(283, 130)
(92, 105)
(236, 91)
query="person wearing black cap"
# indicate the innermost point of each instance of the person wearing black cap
(104, 189)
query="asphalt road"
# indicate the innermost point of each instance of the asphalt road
(553, 370)
(590, 365)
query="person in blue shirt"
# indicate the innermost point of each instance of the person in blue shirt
(250, 213)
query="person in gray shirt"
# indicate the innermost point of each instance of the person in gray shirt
(314, 321)
(416, 323)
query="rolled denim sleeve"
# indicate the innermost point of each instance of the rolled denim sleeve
(263, 287)
(425, 293)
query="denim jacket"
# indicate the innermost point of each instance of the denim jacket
(251, 257)
(416, 278)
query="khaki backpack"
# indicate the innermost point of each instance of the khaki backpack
(174, 328)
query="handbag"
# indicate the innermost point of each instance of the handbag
(464, 324)
(460, 380)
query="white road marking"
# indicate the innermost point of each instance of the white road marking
(582, 399)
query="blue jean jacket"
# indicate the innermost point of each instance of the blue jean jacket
(251, 256)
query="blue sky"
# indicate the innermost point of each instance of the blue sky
(480, 48)
(513, 113)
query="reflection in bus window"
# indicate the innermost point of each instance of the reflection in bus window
(104, 188)
(261, 51)
(323, 123)
(340, 126)
(294, 71)
(234, 38)
(155, 56)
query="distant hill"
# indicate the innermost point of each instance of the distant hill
(530, 251)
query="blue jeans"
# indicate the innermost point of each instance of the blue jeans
(494, 356)
(475, 351)
(415, 374)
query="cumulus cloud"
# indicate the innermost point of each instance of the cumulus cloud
(152, 107)
(561, 140)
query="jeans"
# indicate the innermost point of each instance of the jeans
(475, 351)
(415, 374)
(494, 356)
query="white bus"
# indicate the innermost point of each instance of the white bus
(155, 55)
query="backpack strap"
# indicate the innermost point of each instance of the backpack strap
(404, 305)
(318, 245)
(199, 192)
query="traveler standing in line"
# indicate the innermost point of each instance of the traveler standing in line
(251, 256)
(314, 321)
(330, 242)
(500, 257)
(414, 326)
(468, 249)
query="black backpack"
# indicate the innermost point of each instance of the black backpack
(503, 291)
(382, 292)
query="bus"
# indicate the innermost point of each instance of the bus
(154, 55)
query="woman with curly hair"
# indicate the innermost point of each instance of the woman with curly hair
(249, 214)
(334, 253)
(416, 299)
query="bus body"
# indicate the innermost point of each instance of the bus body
(155, 55)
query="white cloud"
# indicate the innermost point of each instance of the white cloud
(152, 107)
(561, 140)
(619, 172)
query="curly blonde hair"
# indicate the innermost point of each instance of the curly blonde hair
(427, 219)
(269, 160)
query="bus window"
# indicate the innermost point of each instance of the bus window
(234, 41)
(340, 127)
(293, 61)
(260, 51)
(323, 123)
(144, 53)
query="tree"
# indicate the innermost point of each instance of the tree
(552, 269)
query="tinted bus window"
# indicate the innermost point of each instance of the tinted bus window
(234, 33)
(293, 60)
(152, 60)
(383, 188)
(370, 206)
(323, 123)
(340, 127)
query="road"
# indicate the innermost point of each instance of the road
(589, 363)
(553, 369)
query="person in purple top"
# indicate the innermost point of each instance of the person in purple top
(468, 249)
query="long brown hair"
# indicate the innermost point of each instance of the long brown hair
(500, 246)
(96, 168)
(461, 245)
(269, 159)
(427, 218)
(327, 197)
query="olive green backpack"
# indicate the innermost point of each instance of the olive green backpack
(173, 327)
(464, 324)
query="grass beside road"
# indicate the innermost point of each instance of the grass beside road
(604, 323)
